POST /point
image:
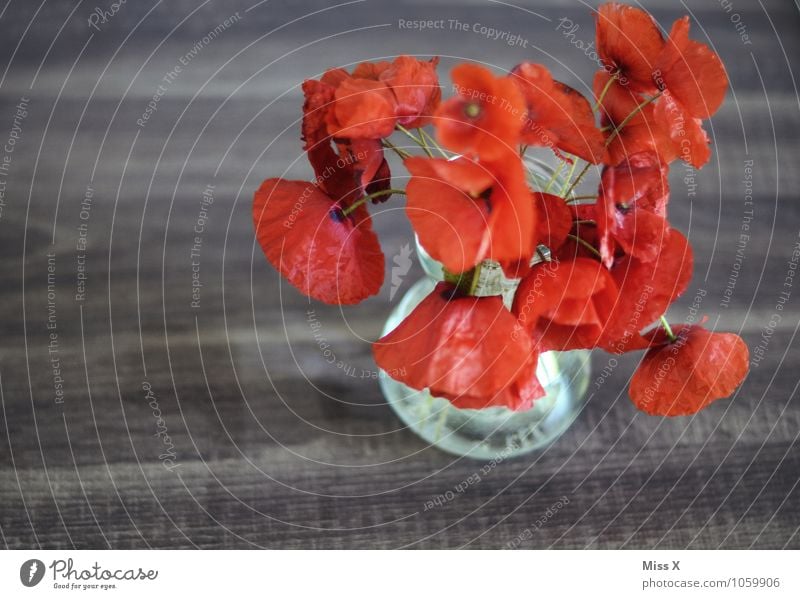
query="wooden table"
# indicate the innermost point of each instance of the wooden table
(222, 425)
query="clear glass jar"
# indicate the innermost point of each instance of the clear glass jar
(495, 432)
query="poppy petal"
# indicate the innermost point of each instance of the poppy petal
(333, 258)
(689, 140)
(363, 109)
(692, 72)
(629, 42)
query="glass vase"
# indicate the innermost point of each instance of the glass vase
(495, 432)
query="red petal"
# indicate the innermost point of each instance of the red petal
(646, 289)
(456, 346)
(416, 87)
(553, 220)
(519, 395)
(364, 109)
(557, 115)
(681, 378)
(565, 303)
(692, 72)
(446, 210)
(689, 139)
(629, 41)
(332, 258)
(631, 207)
(371, 70)
(464, 213)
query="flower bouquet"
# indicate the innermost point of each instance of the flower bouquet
(590, 271)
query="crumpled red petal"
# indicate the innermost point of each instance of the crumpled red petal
(363, 108)
(565, 303)
(456, 346)
(631, 207)
(519, 395)
(689, 140)
(682, 377)
(333, 258)
(416, 89)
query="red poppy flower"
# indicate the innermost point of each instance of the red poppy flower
(363, 108)
(629, 43)
(681, 377)
(565, 304)
(465, 349)
(631, 208)
(304, 234)
(557, 117)
(646, 289)
(692, 72)
(484, 118)
(463, 212)
(416, 89)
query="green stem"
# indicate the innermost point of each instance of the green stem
(399, 151)
(569, 176)
(431, 140)
(410, 135)
(667, 328)
(585, 244)
(603, 93)
(611, 137)
(553, 177)
(577, 180)
(368, 197)
(424, 144)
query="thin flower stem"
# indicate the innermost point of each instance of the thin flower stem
(584, 243)
(577, 180)
(553, 177)
(603, 93)
(432, 141)
(589, 197)
(667, 328)
(611, 137)
(366, 198)
(569, 176)
(424, 143)
(410, 135)
(399, 151)
(628, 118)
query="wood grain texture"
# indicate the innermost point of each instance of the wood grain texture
(273, 446)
